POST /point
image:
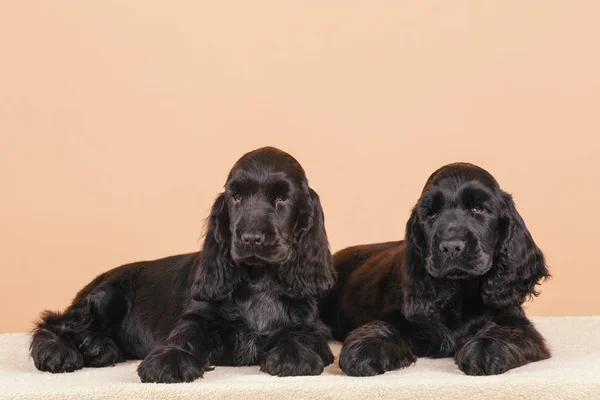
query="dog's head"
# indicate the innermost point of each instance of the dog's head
(465, 227)
(267, 216)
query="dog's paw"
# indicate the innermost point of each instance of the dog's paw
(53, 354)
(374, 357)
(487, 356)
(171, 365)
(373, 349)
(99, 351)
(292, 360)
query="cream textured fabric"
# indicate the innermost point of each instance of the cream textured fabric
(572, 373)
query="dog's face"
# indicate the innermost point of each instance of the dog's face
(459, 211)
(267, 216)
(464, 226)
(263, 198)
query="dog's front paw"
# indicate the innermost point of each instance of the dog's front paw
(54, 354)
(171, 365)
(488, 356)
(292, 360)
(373, 349)
(373, 357)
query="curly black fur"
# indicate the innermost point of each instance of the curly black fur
(453, 287)
(249, 297)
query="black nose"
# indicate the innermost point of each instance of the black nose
(254, 238)
(452, 248)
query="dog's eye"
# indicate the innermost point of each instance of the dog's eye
(432, 215)
(236, 197)
(477, 210)
(280, 199)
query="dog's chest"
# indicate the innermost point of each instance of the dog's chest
(262, 312)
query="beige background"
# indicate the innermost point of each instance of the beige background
(120, 120)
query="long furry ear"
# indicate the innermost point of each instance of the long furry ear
(423, 296)
(418, 286)
(519, 265)
(216, 275)
(310, 272)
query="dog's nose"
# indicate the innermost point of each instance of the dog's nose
(452, 248)
(253, 238)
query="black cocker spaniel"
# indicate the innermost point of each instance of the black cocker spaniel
(249, 297)
(453, 287)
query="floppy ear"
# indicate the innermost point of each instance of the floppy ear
(216, 275)
(310, 272)
(423, 296)
(519, 264)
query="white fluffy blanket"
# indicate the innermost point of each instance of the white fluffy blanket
(572, 373)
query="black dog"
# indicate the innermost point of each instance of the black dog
(453, 287)
(249, 297)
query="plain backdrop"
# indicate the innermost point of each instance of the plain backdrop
(119, 121)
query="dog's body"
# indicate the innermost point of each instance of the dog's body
(454, 287)
(250, 297)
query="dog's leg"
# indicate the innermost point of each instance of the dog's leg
(294, 354)
(184, 356)
(76, 338)
(373, 349)
(300, 352)
(507, 342)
